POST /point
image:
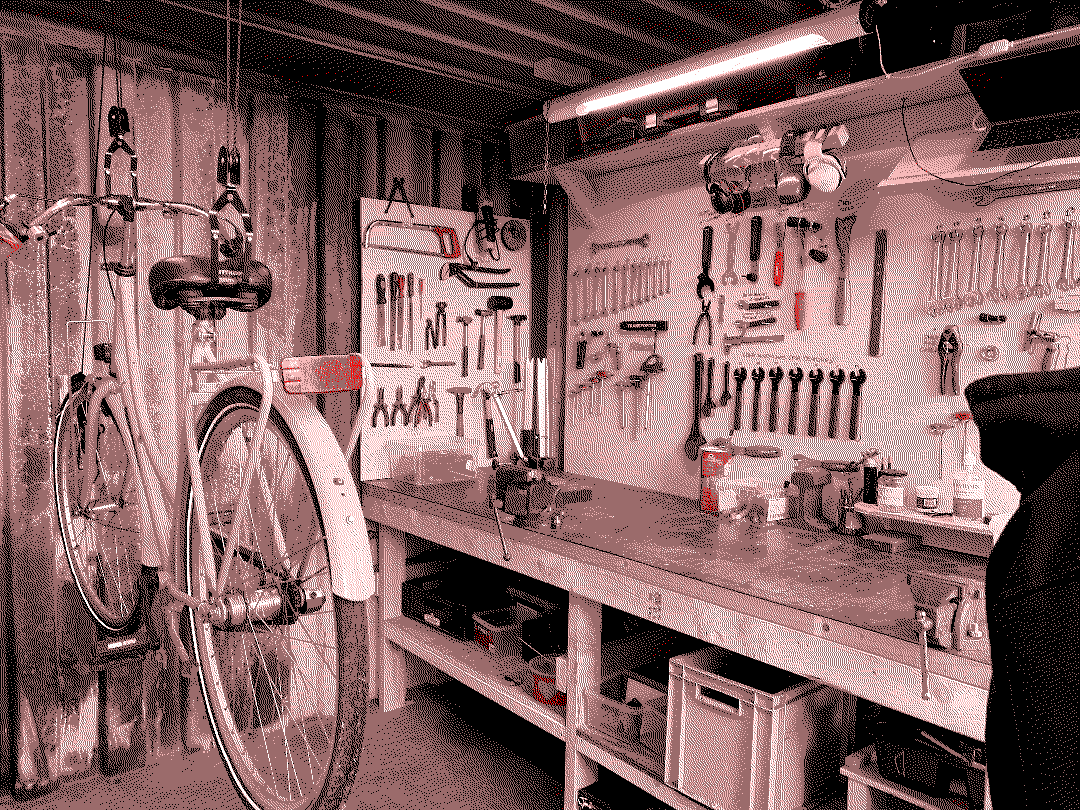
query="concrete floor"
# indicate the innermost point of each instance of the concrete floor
(447, 749)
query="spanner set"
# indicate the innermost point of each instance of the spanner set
(596, 290)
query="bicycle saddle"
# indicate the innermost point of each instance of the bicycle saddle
(186, 281)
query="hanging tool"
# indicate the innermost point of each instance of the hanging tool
(380, 407)
(393, 308)
(517, 321)
(1065, 282)
(739, 376)
(802, 225)
(695, 441)
(464, 320)
(935, 304)
(842, 309)
(451, 269)
(741, 339)
(775, 376)
(877, 300)
(497, 304)
(513, 235)
(642, 240)
(420, 299)
(447, 238)
(653, 364)
(412, 343)
(758, 376)
(440, 324)
(430, 363)
(420, 407)
(746, 325)
(1022, 290)
(430, 341)
(703, 279)
(489, 418)
(1050, 339)
(401, 313)
(815, 378)
(955, 302)
(857, 380)
(974, 295)
(949, 350)
(490, 239)
(483, 315)
(778, 260)
(726, 396)
(708, 406)
(582, 347)
(391, 365)
(571, 298)
(755, 248)
(399, 405)
(990, 352)
(796, 375)
(730, 277)
(704, 317)
(757, 300)
(380, 310)
(997, 292)
(946, 278)
(433, 399)
(837, 377)
(398, 188)
(938, 429)
(1042, 288)
(459, 393)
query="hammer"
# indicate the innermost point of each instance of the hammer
(517, 319)
(459, 394)
(489, 419)
(483, 315)
(465, 320)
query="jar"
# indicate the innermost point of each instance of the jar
(926, 499)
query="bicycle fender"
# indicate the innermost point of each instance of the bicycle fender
(352, 575)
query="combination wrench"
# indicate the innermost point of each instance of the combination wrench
(955, 301)
(1022, 290)
(1066, 281)
(1042, 287)
(996, 292)
(934, 306)
(974, 295)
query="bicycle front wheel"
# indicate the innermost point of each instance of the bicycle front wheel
(98, 513)
(283, 669)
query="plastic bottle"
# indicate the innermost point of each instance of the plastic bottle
(871, 469)
(969, 491)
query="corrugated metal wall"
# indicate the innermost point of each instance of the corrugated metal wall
(305, 161)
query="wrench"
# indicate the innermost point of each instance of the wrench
(815, 378)
(837, 377)
(726, 396)
(796, 375)
(1042, 289)
(934, 306)
(775, 375)
(1066, 282)
(730, 277)
(708, 406)
(758, 374)
(997, 293)
(974, 295)
(954, 302)
(1022, 290)
(736, 416)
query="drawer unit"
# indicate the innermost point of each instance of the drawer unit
(742, 735)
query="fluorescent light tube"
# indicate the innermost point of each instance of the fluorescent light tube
(704, 74)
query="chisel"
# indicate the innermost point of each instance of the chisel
(393, 308)
(380, 310)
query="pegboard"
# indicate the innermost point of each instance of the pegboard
(901, 396)
(460, 300)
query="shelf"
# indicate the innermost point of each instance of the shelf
(861, 768)
(949, 522)
(633, 773)
(476, 669)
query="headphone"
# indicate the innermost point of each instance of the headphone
(730, 194)
(823, 171)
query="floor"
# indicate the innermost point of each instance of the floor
(447, 749)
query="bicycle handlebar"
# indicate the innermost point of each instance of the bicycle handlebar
(37, 232)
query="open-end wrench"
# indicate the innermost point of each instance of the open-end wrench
(1022, 290)
(1042, 287)
(739, 375)
(603, 280)
(857, 380)
(974, 295)
(815, 378)
(934, 305)
(726, 396)
(757, 375)
(953, 299)
(837, 377)
(1066, 280)
(796, 375)
(708, 406)
(996, 292)
(775, 375)
(730, 277)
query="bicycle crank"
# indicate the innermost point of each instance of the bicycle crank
(280, 605)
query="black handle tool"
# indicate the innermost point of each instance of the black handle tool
(380, 310)
(815, 378)
(708, 406)
(703, 279)
(726, 396)
(758, 375)
(857, 380)
(695, 441)
(736, 417)
(837, 377)
(775, 375)
(755, 248)
(796, 375)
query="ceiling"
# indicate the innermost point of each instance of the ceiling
(469, 59)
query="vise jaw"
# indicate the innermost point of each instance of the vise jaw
(954, 606)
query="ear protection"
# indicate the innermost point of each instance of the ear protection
(730, 193)
(823, 171)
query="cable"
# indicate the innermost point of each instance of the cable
(903, 120)
(880, 59)
(236, 91)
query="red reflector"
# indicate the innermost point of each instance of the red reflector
(322, 374)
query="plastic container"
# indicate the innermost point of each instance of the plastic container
(926, 499)
(433, 459)
(608, 714)
(743, 735)
(543, 670)
(498, 631)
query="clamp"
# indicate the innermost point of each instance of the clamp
(706, 317)
(440, 325)
(399, 405)
(950, 348)
(380, 407)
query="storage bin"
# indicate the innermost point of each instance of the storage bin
(497, 631)
(543, 671)
(743, 735)
(610, 715)
(433, 459)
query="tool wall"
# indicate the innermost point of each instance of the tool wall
(427, 247)
(901, 398)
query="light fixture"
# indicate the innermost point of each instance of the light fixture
(818, 31)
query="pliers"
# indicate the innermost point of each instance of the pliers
(420, 406)
(706, 317)
(440, 325)
(431, 340)
(380, 407)
(399, 405)
(950, 348)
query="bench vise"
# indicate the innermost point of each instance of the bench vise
(954, 608)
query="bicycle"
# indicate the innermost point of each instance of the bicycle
(266, 551)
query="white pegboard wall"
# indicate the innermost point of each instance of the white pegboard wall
(900, 398)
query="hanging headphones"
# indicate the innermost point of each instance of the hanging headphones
(823, 171)
(718, 195)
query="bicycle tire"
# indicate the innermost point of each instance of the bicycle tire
(244, 688)
(101, 531)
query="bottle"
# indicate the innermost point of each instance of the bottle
(969, 491)
(871, 469)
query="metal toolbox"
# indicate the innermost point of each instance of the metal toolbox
(743, 735)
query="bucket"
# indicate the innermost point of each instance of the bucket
(543, 670)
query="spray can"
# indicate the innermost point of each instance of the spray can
(713, 464)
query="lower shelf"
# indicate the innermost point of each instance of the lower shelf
(862, 772)
(500, 680)
(634, 772)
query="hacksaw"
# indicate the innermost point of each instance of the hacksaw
(447, 236)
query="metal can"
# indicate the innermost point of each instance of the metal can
(713, 462)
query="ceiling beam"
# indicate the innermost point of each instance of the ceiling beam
(729, 32)
(614, 27)
(312, 36)
(470, 13)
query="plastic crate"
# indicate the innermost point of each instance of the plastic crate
(619, 723)
(433, 459)
(743, 735)
(498, 631)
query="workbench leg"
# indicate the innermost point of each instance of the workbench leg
(392, 678)
(583, 659)
(858, 796)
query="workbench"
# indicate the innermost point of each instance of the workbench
(813, 603)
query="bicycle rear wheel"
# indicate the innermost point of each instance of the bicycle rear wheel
(99, 524)
(286, 694)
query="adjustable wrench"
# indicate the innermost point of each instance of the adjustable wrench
(837, 377)
(775, 375)
(815, 378)
(758, 375)
(1066, 280)
(736, 417)
(796, 375)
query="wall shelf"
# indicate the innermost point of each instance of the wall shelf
(949, 522)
